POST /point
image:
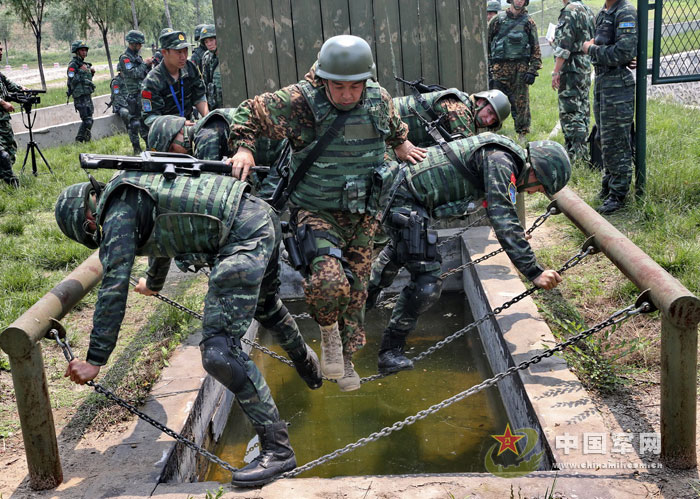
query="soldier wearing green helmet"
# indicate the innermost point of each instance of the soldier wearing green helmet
(200, 49)
(495, 170)
(211, 74)
(80, 86)
(347, 119)
(134, 69)
(493, 7)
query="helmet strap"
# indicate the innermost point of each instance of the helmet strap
(523, 181)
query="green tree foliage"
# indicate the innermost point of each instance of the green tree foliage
(31, 12)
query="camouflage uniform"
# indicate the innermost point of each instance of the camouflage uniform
(199, 50)
(435, 189)
(576, 25)
(288, 113)
(8, 146)
(211, 74)
(80, 86)
(161, 95)
(118, 100)
(514, 57)
(134, 71)
(613, 102)
(250, 234)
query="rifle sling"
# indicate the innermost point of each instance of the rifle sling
(471, 177)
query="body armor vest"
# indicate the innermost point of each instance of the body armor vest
(416, 131)
(341, 177)
(512, 42)
(81, 82)
(193, 215)
(134, 70)
(212, 73)
(436, 182)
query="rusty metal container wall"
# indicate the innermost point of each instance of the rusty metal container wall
(265, 45)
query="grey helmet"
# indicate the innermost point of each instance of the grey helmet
(346, 58)
(493, 6)
(500, 103)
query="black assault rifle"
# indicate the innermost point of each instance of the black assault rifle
(169, 164)
(279, 196)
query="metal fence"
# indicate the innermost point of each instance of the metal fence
(676, 41)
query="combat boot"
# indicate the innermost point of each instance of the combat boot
(350, 380)
(332, 352)
(137, 150)
(276, 456)
(12, 181)
(391, 352)
(307, 366)
(611, 204)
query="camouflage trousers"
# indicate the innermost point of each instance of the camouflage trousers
(8, 150)
(124, 116)
(575, 112)
(136, 126)
(233, 296)
(330, 295)
(85, 108)
(613, 107)
(507, 77)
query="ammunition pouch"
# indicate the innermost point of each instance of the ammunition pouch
(415, 242)
(382, 183)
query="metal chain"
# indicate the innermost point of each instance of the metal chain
(573, 261)
(461, 231)
(615, 318)
(68, 354)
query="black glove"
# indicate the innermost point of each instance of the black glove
(529, 78)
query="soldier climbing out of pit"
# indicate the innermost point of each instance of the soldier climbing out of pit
(451, 182)
(198, 220)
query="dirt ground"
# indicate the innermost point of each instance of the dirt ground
(55, 77)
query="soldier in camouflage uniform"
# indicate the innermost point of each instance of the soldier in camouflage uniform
(118, 101)
(174, 86)
(8, 146)
(211, 74)
(208, 220)
(572, 75)
(334, 198)
(514, 58)
(134, 69)
(612, 50)
(493, 7)
(436, 189)
(80, 86)
(199, 50)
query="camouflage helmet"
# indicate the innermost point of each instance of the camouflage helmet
(551, 164)
(500, 103)
(346, 58)
(70, 212)
(527, 2)
(163, 130)
(135, 36)
(76, 45)
(197, 31)
(493, 6)
(208, 31)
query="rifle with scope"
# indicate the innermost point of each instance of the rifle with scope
(169, 164)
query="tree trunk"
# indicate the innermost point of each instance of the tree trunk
(167, 14)
(38, 56)
(7, 52)
(198, 14)
(109, 55)
(133, 14)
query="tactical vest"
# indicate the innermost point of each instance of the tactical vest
(341, 177)
(134, 70)
(416, 130)
(436, 183)
(512, 42)
(212, 74)
(193, 215)
(81, 81)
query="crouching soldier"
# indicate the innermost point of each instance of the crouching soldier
(491, 169)
(207, 220)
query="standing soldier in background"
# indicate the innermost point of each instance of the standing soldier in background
(134, 69)
(80, 86)
(493, 7)
(118, 101)
(174, 86)
(210, 68)
(8, 146)
(514, 57)
(572, 75)
(612, 50)
(199, 50)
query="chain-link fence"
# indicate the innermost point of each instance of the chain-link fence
(676, 41)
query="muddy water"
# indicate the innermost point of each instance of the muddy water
(455, 439)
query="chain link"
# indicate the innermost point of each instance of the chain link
(615, 318)
(462, 231)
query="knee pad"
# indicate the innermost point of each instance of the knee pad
(425, 293)
(224, 361)
(5, 160)
(88, 122)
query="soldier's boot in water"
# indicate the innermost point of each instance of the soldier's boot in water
(350, 380)
(307, 366)
(331, 352)
(276, 456)
(391, 352)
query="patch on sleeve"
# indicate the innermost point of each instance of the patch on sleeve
(128, 65)
(146, 103)
(512, 191)
(627, 24)
(71, 72)
(146, 94)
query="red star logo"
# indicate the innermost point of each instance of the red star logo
(507, 441)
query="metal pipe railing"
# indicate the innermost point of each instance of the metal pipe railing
(680, 315)
(20, 341)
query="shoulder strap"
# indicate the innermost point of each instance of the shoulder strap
(316, 151)
(461, 167)
(511, 27)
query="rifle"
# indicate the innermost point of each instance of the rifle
(419, 86)
(169, 164)
(279, 198)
